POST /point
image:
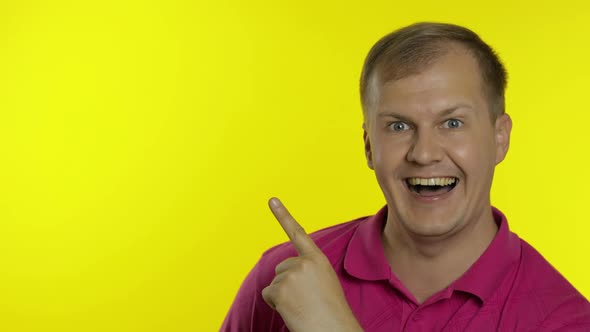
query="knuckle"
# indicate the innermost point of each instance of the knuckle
(283, 294)
(298, 231)
(267, 294)
(279, 267)
(305, 265)
(289, 278)
(284, 265)
(280, 294)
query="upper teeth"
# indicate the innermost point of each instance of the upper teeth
(431, 181)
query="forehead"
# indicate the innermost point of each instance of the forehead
(452, 78)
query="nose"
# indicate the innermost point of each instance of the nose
(425, 149)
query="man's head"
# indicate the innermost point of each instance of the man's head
(428, 101)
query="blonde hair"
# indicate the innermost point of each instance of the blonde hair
(410, 49)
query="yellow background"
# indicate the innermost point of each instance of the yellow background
(140, 140)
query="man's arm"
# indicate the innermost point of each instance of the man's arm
(305, 290)
(301, 292)
(248, 311)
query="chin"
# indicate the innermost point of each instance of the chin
(435, 228)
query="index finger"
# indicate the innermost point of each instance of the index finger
(299, 238)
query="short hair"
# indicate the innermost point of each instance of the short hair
(411, 49)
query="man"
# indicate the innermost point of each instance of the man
(438, 256)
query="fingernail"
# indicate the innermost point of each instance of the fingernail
(274, 202)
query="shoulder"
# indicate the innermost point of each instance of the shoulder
(556, 301)
(332, 240)
(542, 277)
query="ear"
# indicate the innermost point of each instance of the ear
(503, 128)
(367, 144)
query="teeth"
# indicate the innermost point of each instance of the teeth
(431, 181)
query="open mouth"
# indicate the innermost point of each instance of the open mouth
(431, 186)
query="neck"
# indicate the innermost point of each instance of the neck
(426, 265)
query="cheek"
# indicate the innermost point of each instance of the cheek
(387, 152)
(474, 155)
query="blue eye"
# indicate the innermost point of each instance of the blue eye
(453, 123)
(399, 126)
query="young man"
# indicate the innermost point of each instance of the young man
(438, 256)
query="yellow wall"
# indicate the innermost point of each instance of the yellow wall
(139, 141)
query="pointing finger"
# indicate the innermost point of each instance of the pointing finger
(300, 240)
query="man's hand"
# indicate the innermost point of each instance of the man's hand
(306, 291)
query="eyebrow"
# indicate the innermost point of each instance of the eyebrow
(443, 113)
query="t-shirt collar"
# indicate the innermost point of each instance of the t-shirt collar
(485, 275)
(365, 257)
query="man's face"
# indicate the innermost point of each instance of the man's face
(433, 147)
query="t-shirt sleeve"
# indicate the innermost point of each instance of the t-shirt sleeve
(248, 311)
(571, 316)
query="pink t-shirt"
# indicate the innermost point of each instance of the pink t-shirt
(511, 287)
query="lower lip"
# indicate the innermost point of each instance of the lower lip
(430, 199)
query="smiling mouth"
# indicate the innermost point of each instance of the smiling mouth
(431, 186)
